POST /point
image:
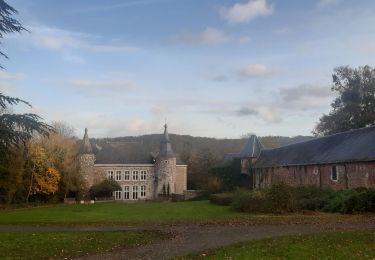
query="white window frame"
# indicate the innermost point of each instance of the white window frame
(336, 171)
(143, 175)
(118, 195)
(110, 175)
(126, 192)
(143, 191)
(135, 175)
(127, 175)
(135, 192)
(118, 176)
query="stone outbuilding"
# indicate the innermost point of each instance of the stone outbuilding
(340, 161)
(142, 174)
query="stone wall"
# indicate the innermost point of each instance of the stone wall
(101, 172)
(349, 175)
(165, 171)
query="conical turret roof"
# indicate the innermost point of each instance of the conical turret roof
(86, 145)
(165, 144)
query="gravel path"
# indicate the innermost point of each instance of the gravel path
(190, 238)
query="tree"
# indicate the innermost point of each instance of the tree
(14, 128)
(7, 23)
(354, 106)
(104, 189)
(18, 128)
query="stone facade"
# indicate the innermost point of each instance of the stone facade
(160, 177)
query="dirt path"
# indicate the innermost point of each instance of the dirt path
(191, 238)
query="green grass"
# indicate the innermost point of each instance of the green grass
(44, 245)
(154, 212)
(347, 245)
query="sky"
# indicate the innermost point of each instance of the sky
(215, 68)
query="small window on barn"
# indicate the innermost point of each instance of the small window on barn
(334, 173)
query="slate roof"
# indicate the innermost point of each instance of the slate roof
(123, 153)
(350, 146)
(251, 149)
(85, 145)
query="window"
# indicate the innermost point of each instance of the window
(143, 191)
(316, 170)
(127, 175)
(334, 174)
(126, 192)
(135, 192)
(118, 195)
(135, 175)
(110, 175)
(143, 175)
(118, 175)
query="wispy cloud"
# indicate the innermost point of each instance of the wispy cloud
(326, 3)
(256, 70)
(299, 92)
(8, 79)
(209, 36)
(103, 87)
(246, 12)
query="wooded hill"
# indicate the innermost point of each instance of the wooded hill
(183, 144)
(201, 153)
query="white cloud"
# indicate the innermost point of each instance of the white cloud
(246, 12)
(256, 70)
(210, 36)
(325, 3)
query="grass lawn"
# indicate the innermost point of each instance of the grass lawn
(44, 245)
(344, 245)
(155, 212)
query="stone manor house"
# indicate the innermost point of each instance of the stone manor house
(142, 174)
(340, 161)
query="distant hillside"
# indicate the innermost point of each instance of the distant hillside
(217, 147)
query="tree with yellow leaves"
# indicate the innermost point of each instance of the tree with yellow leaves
(46, 182)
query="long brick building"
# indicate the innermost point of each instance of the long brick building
(340, 161)
(142, 174)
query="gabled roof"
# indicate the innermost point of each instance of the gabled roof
(252, 148)
(354, 145)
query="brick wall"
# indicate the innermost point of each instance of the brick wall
(349, 175)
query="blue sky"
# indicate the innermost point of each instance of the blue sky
(211, 68)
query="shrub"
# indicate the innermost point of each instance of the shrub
(104, 189)
(224, 199)
(249, 201)
(281, 198)
(351, 201)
